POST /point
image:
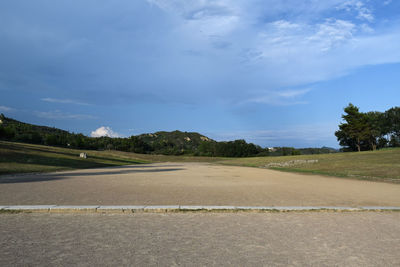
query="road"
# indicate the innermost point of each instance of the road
(192, 184)
(198, 239)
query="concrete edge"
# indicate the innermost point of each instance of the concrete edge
(183, 208)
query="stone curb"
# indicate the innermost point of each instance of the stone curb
(186, 208)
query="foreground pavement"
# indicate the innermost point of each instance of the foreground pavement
(192, 184)
(150, 239)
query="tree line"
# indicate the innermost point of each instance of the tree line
(166, 143)
(370, 130)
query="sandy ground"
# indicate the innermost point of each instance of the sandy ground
(201, 239)
(192, 184)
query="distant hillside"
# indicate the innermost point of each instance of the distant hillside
(166, 143)
(287, 151)
(182, 138)
(25, 132)
(322, 150)
(4, 121)
(175, 142)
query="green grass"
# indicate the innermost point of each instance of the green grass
(26, 158)
(13, 211)
(382, 165)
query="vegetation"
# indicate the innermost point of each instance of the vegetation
(165, 143)
(381, 165)
(290, 151)
(25, 158)
(359, 132)
(369, 131)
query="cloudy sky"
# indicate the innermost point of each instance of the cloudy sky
(272, 72)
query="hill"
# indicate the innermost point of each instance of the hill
(175, 142)
(170, 143)
(166, 143)
(25, 132)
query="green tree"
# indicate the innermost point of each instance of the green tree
(392, 125)
(206, 148)
(356, 130)
(376, 123)
(51, 140)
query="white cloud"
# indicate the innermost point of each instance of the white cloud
(194, 9)
(224, 46)
(293, 93)
(319, 52)
(205, 18)
(63, 101)
(304, 48)
(104, 131)
(285, 25)
(279, 98)
(363, 13)
(282, 38)
(332, 33)
(60, 115)
(6, 109)
(366, 28)
(387, 2)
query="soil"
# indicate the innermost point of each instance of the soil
(192, 184)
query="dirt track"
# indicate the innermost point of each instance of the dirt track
(201, 239)
(192, 184)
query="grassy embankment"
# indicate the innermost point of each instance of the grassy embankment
(383, 165)
(26, 158)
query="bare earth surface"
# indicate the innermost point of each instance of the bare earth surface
(199, 239)
(192, 184)
(187, 238)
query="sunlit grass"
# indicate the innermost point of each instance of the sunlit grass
(371, 165)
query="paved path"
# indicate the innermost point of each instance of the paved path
(192, 184)
(198, 239)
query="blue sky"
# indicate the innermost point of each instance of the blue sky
(276, 73)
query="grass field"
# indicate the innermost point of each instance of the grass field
(26, 158)
(383, 165)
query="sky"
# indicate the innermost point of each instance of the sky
(272, 72)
